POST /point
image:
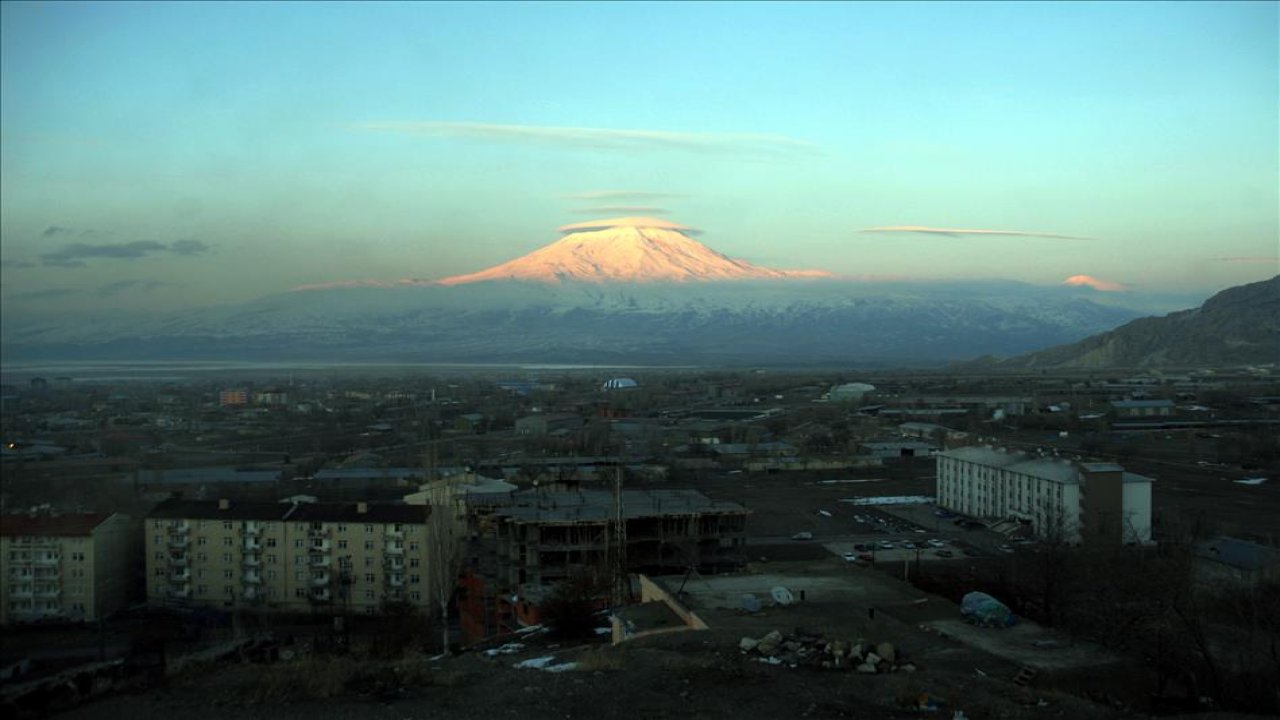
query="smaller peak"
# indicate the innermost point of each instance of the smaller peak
(628, 222)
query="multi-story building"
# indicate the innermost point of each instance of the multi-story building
(288, 557)
(76, 566)
(1059, 499)
(523, 544)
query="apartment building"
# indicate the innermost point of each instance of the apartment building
(76, 566)
(289, 556)
(1058, 498)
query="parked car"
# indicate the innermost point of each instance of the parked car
(944, 553)
(935, 542)
(802, 536)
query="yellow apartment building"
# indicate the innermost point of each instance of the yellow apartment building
(74, 566)
(287, 557)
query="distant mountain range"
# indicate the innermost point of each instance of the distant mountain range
(1238, 326)
(634, 290)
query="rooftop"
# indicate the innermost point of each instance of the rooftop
(302, 512)
(60, 525)
(532, 506)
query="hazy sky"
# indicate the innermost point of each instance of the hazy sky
(164, 155)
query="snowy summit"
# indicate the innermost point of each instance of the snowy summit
(629, 249)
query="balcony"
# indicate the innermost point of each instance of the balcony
(178, 560)
(394, 563)
(252, 529)
(252, 578)
(321, 595)
(180, 577)
(318, 533)
(178, 542)
(45, 560)
(250, 561)
(395, 581)
(393, 533)
(48, 592)
(319, 546)
(319, 582)
(320, 561)
(181, 592)
(252, 545)
(394, 549)
(25, 591)
(179, 526)
(250, 594)
(49, 575)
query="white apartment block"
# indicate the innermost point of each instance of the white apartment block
(1060, 499)
(74, 567)
(287, 557)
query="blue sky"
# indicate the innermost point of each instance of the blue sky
(182, 154)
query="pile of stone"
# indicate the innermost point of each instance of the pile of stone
(801, 649)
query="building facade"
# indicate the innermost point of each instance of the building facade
(76, 566)
(288, 557)
(1059, 499)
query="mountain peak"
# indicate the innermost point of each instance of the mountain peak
(630, 249)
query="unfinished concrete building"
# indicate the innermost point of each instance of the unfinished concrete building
(523, 545)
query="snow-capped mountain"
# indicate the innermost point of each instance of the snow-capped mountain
(629, 249)
(629, 289)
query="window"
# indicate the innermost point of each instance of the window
(201, 540)
(226, 524)
(368, 594)
(160, 572)
(228, 574)
(368, 544)
(228, 541)
(271, 542)
(415, 595)
(414, 580)
(368, 562)
(159, 555)
(299, 560)
(299, 543)
(271, 559)
(300, 592)
(202, 557)
(368, 528)
(158, 524)
(413, 562)
(271, 574)
(342, 527)
(342, 544)
(413, 546)
(369, 577)
(226, 557)
(202, 589)
(300, 575)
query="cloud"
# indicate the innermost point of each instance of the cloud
(17, 264)
(43, 294)
(189, 247)
(75, 254)
(741, 144)
(623, 195)
(1095, 283)
(958, 232)
(622, 209)
(54, 230)
(1255, 259)
(120, 286)
(635, 222)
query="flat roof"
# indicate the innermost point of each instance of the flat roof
(300, 512)
(534, 506)
(60, 525)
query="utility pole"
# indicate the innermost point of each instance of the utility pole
(621, 583)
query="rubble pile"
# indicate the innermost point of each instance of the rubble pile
(800, 649)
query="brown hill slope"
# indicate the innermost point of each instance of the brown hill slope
(1238, 326)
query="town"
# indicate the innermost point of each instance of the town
(1096, 541)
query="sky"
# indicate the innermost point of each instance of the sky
(160, 155)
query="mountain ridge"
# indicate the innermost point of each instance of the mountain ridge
(1239, 325)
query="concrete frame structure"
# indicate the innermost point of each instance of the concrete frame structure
(74, 566)
(1061, 499)
(525, 543)
(288, 557)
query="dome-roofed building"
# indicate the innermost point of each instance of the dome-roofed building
(622, 383)
(850, 392)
